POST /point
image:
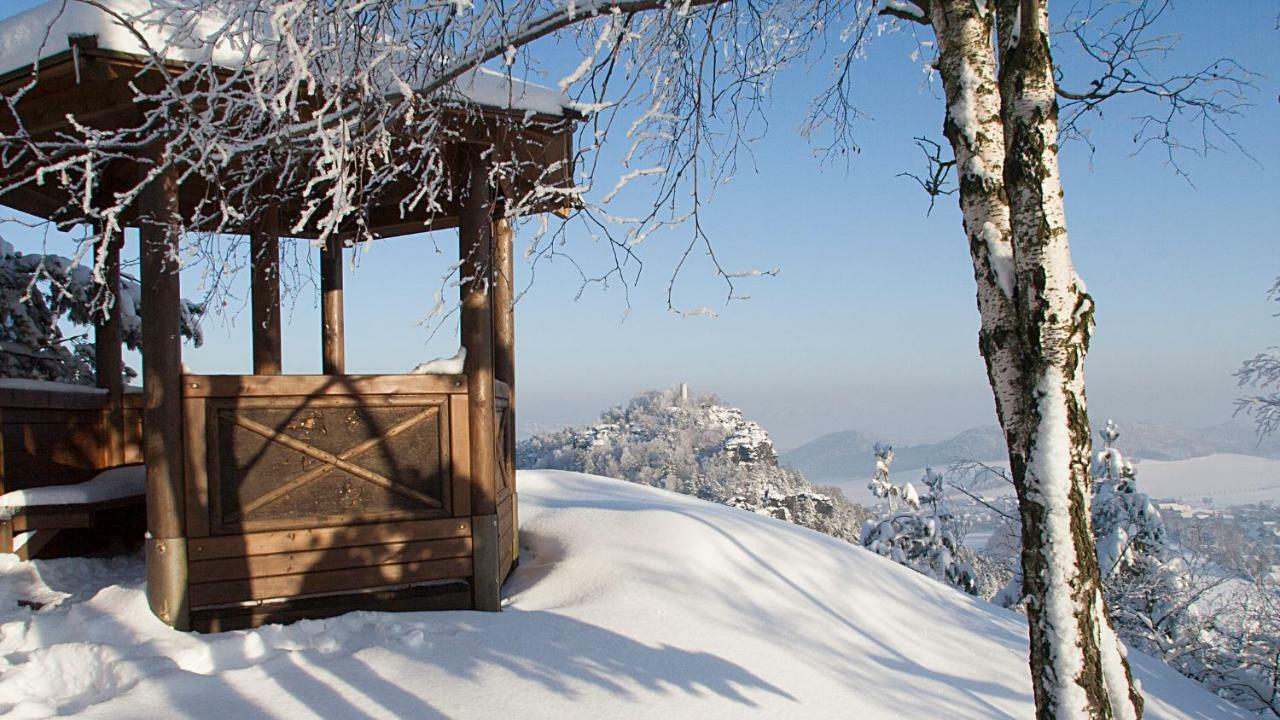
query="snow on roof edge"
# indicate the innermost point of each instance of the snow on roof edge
(46, 29)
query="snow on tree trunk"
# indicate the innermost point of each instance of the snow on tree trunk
(1078, 665)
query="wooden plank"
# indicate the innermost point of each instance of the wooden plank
(505, 516)
(307, 561)
(264, 275)
(329, 581)
(332, 334)
(317, 385)
(338, 518)
(460, 452)
(283, 541)
(197, 466)
(52, 416)
(486, 582)
(475, 251)
(359, 402)
(428, 596)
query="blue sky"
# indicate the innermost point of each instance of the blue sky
(871, 322)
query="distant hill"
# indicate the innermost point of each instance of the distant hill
(697, 446)
(848, 454)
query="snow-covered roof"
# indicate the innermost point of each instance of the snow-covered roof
(170, 28)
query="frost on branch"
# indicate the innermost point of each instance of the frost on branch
(1262, 371)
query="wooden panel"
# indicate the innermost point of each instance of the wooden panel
(263, 543)
(287, 586)
(291, 461)
(328, 559)
(359, 385)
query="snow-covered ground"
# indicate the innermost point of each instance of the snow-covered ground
(1226, 479)
(630, 602)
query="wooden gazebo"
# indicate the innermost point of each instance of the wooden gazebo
(272, 497)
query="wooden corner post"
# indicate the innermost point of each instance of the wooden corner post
(475, 251)
(162, 396)
(332, 341)
(264, 263)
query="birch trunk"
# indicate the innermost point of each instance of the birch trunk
(967, 64)
(1036, 322)
(1078, 665)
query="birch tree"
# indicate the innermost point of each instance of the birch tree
(1001, 86)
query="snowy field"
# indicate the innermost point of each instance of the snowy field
(631, 602)
(1226, 479)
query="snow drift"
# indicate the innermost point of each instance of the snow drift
(630, 602)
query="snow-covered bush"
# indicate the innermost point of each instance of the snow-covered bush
(38, 292)
(695, 446)
(924, 535)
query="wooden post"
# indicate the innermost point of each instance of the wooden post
(107, 343)
(332, 342)
(162, 396)
(264, 261)
(475, 250)
(504, 352)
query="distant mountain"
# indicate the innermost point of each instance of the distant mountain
(848, 454)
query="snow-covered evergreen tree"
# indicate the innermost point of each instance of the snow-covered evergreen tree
(38, 291)
(924, 535)
(1127, 526)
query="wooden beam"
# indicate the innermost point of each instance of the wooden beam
(264, 259)
(107, 343)
(504, 351)
(162, 391)
(332, 342)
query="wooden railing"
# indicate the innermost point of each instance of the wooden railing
(48, 437)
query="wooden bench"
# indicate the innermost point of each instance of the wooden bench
(56, 441)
